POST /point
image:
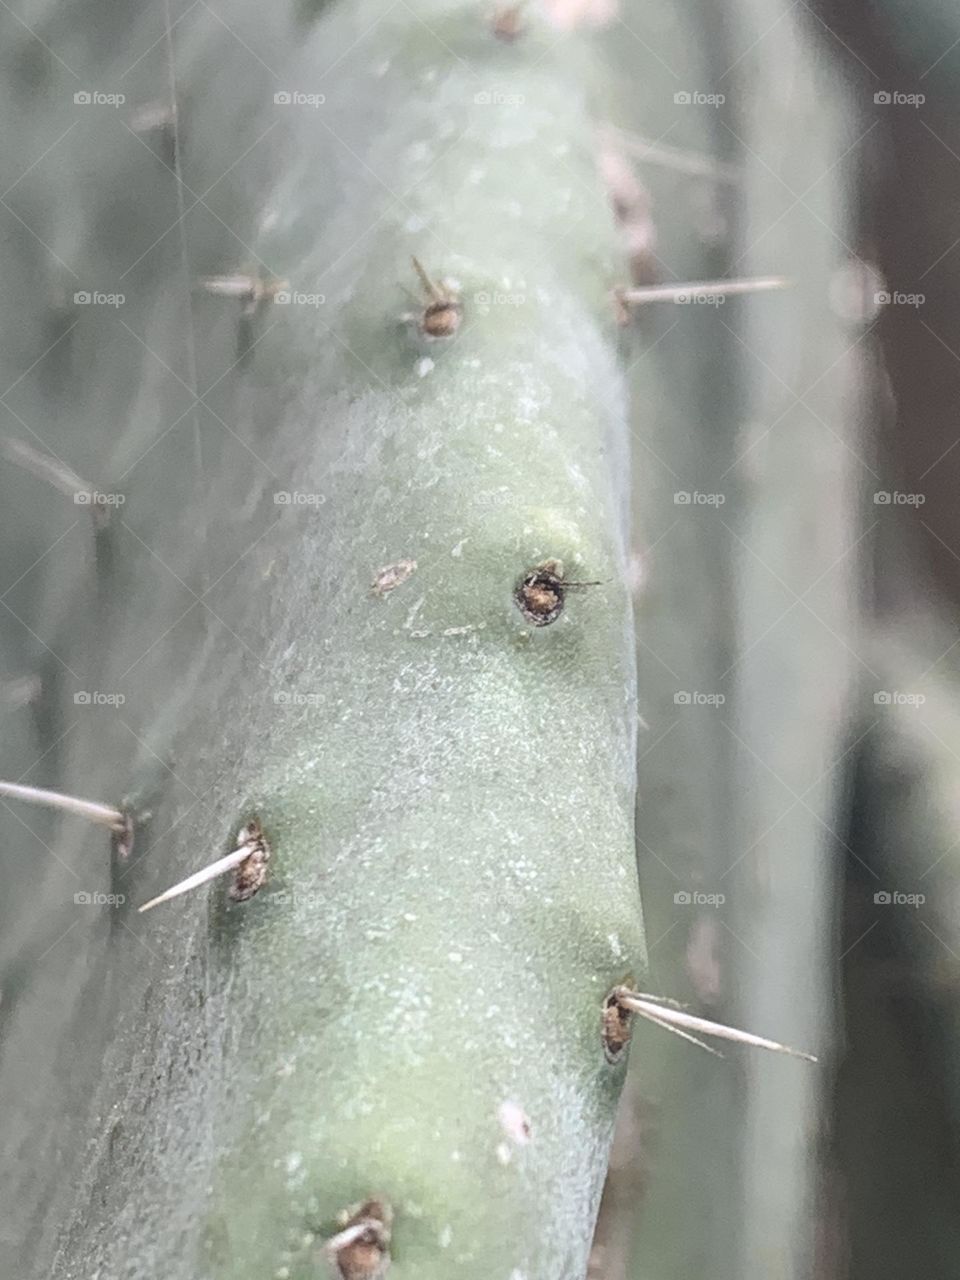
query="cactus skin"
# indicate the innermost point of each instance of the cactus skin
(452, 888)
(453, 820)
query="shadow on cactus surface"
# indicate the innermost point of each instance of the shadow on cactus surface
(445, 492)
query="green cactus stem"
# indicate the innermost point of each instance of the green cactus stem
(391, 1054)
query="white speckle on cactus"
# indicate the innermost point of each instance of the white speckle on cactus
(445, 1237)
(412, 614)
(462, 631)
(504, 1154)
(424, 366)
(457, 551)
(514, 1122)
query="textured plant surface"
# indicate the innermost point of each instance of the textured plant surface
(309, 379)
(410, 1009)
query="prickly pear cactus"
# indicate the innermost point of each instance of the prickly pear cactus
(304, 606)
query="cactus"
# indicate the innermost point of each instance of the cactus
(303, 611)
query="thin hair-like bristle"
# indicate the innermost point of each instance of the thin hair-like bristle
(677, 1019)
(218, 868)
(46, 467)
(684, 1035)
(435, 293)
(104, 814)
(701, 289)
(238, 286)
